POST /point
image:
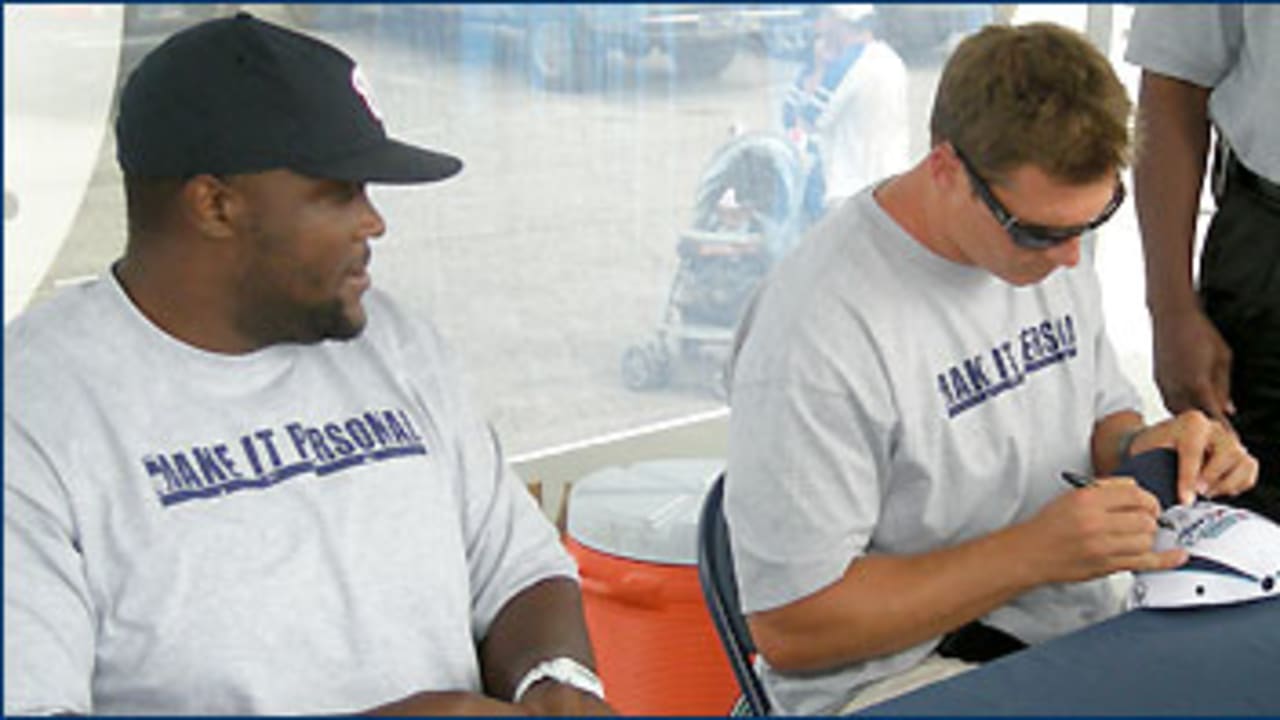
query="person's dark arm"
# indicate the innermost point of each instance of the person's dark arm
(542, 622)
(1192, 362)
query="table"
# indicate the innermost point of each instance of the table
(1219, 660)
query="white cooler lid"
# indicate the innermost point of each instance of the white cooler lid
(647, 511)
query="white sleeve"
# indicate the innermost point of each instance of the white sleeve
(809, 451)
(1115, 393)
(510, 544)
(1113, 390)
(1195, 43)
(49, 619)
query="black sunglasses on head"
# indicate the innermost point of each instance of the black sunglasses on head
(1030, 236)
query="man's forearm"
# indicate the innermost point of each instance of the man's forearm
(1168, 174)
(888, 603)
(885, 604)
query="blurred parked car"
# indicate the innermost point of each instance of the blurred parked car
(558, 46)
(567, 46)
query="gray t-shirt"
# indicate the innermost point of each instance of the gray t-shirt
(1233, 49)
(304, 529)
(886, 400)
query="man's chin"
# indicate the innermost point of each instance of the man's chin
(1027, 278)
(338, 322)
(348, 329)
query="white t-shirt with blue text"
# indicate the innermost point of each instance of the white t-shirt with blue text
(887, 400)
(303, 529)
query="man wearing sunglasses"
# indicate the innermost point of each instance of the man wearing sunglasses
(913, 379)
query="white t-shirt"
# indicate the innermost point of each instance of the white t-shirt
(1232, 49)
(886, 400)
(303, 529)
(863, 132)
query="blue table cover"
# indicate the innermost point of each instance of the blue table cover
(1221, 660)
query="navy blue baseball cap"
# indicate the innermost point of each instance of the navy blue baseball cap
(240, 95)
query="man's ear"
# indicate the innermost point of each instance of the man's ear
(944, 166)
(211, 205)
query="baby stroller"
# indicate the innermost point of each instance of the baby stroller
(748, 213)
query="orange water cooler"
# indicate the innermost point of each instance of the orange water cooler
(633, 531)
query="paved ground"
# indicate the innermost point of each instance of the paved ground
(554, 250)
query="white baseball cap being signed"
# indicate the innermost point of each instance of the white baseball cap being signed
(1234, 557)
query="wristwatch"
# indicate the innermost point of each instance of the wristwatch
(563, 670)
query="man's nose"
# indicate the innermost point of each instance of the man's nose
(371, 223)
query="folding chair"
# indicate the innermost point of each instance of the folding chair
(720, 589)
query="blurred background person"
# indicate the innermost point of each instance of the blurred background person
(848, 107)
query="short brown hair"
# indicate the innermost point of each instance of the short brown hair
(1036, 94)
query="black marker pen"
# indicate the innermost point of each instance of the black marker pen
(1077, 480)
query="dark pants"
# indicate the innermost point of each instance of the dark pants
(1240, 289)
(978, 642)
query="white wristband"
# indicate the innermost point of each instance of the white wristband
(564, 670)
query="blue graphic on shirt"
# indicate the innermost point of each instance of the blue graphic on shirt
(267, 456)
(976, 379)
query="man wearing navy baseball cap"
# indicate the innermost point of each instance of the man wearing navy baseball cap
(237, 479)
